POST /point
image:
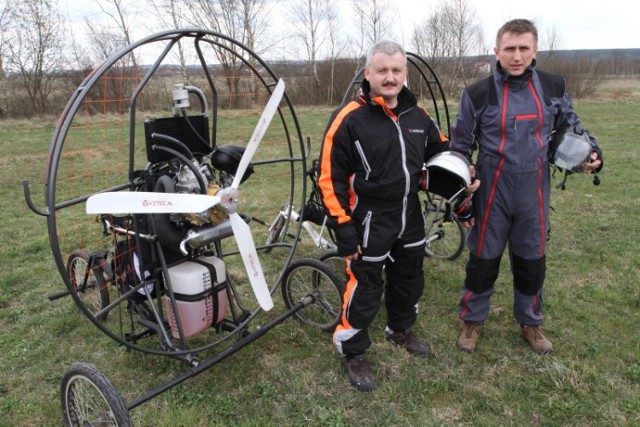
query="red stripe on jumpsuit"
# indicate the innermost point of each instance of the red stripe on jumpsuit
(464, 304)
(496, 176)
(540, 174)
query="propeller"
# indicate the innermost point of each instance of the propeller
(143, 202)
(140, 202)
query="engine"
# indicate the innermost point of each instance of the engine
(183, 161)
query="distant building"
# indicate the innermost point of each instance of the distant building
(482, 67)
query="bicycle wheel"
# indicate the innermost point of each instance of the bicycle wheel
(336, 262)
(88, 283)
(445, 236)
(309, 276)
(89, 398)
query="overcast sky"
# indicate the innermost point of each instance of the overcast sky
(586, 24)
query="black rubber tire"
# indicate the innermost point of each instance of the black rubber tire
(89, 398)
(94, 295)
(310, 276)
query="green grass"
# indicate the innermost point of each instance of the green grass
(293, 376)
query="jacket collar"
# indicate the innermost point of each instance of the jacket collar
(502, 76)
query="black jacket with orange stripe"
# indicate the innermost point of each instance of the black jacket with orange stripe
(375, 155)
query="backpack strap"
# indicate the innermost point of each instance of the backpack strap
(482, 93)
(553, 85)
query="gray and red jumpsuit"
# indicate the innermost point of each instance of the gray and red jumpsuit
(512, 204)
(370, 165)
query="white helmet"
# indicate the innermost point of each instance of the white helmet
(448, 174)
(568, 150)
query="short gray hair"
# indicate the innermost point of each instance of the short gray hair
(388, 47)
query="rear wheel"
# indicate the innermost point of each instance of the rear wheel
(311, 277)
(89, 399)
(88, 282)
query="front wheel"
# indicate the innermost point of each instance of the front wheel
(311, 277)
(89, 399)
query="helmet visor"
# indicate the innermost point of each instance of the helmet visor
(572, 152)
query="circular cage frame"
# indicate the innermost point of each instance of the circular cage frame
(259, 69)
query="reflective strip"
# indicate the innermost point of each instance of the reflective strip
(365, 163)
(344, 331)
(413, 245)
(375, 258)
(367, 228)
(342, 334)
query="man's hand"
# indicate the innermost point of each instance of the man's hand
(593, 165)
(355, 255)
(471, 188)
(468, 224)
(475, 183)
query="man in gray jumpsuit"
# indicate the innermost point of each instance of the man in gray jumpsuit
(510, 117)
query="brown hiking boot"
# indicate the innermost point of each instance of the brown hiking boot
(469, 337)
(410, 342)
(359, 372)
(539, 342)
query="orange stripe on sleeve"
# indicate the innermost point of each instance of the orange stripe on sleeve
(325, 181)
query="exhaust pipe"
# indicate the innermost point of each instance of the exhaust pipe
(206, 235)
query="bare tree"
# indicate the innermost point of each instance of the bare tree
(449, 36)
(4, 36)
(430, 39)
(374, 20)
(581, 71)
(121, 37)
(311, 26)
(169, 15)
(34, 49)
(336, 46)
(465, 30)
(245, 21)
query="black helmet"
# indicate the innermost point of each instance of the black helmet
(227, 158)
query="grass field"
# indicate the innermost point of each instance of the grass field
(292, 375)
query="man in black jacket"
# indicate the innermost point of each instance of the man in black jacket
(372, 156)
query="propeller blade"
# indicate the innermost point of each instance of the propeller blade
(247, 248)
(141, 202)
(258, 132)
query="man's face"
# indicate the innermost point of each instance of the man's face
(386, 75)
(516, 52)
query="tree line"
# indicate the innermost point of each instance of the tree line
(43, 57)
